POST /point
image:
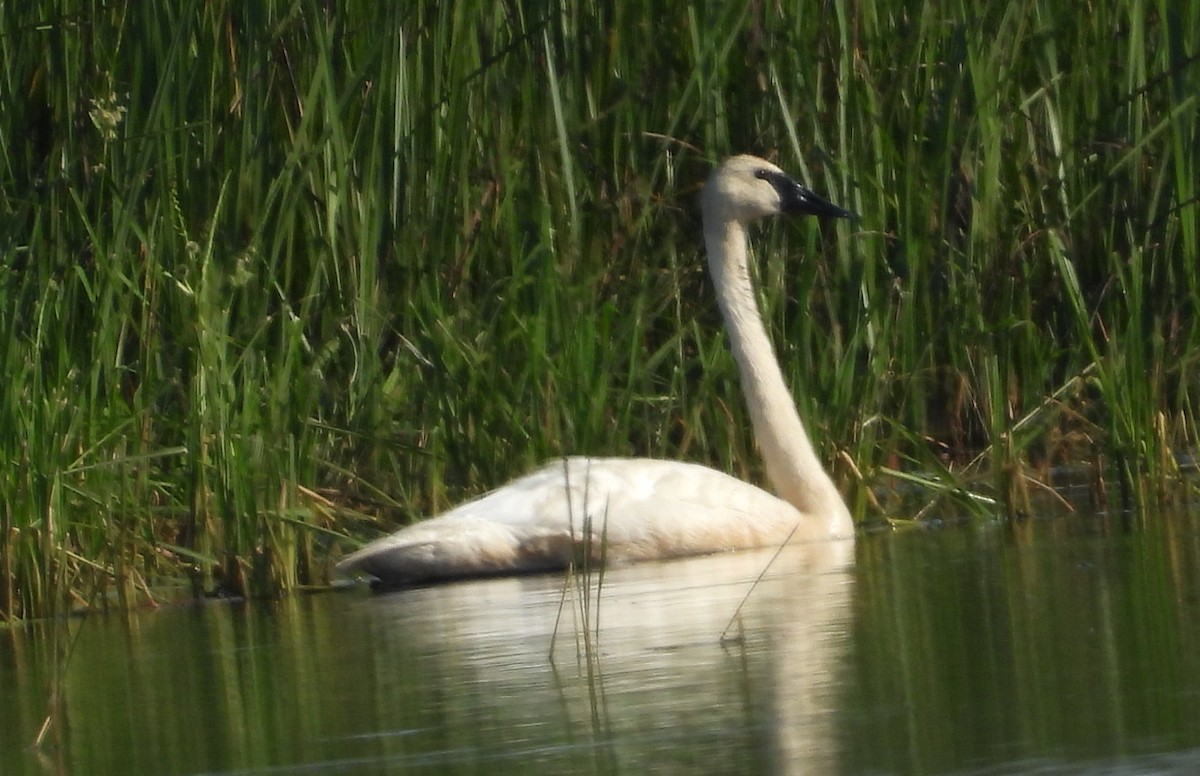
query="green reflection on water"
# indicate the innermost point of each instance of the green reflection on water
(1068, 641)
(1066, 645)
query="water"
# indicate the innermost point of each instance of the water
(1057, 647)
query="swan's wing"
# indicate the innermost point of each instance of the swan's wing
(620, 509)
(648, 509)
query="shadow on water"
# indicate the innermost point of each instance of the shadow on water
(1057, 646)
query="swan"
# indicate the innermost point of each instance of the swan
(635, 509)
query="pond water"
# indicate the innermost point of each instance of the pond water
(1060, 646)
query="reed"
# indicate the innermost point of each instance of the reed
(277, 273)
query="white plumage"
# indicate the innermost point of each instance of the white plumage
(632, 509)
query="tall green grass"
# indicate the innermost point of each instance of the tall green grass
(273, 271)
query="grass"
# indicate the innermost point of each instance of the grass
(276, 273)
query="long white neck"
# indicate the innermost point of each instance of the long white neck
(792, 465)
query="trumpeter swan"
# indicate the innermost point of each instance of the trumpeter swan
(632, 509)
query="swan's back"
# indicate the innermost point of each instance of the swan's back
(615, 509)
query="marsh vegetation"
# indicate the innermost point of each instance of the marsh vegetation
(278, 273)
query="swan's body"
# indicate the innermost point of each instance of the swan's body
(630, 509)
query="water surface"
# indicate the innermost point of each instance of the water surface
(1064, 646)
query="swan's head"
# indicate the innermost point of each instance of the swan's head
(746, 188)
